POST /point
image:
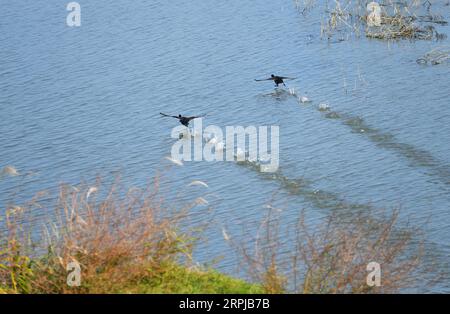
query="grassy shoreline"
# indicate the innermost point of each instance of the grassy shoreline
(129, 242)
(171, 279)
(122, 241)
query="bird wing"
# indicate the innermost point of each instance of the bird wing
(267, 79)
(194, 117)
(166, 115)
(287, 78)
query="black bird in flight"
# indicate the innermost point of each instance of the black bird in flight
(183, 120)
(277, 79)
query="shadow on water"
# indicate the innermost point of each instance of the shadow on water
(416, 156)
(279, 94)
(302, 187)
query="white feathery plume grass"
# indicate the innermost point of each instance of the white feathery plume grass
(90, 191)
(201, 201)
(175, 161)
(9, 170)
(225, 234)
(197, 182)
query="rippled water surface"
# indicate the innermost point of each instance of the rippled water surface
(81, 102)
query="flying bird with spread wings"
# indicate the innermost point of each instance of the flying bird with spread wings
(183, 120)
(277, 79)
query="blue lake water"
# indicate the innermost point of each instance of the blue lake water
(80, 102)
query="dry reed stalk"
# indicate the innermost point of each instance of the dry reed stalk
(116, 238)
(333, 258)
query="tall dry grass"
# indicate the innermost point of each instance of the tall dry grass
(333, 256)
(117, 237)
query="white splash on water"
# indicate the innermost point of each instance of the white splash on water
(304, 99)
(324, 107)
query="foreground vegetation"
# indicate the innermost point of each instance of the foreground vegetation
(127, 242)
(123, 243)
(168, 279)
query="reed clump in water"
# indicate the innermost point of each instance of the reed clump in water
(397, 24)
(386, 20)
